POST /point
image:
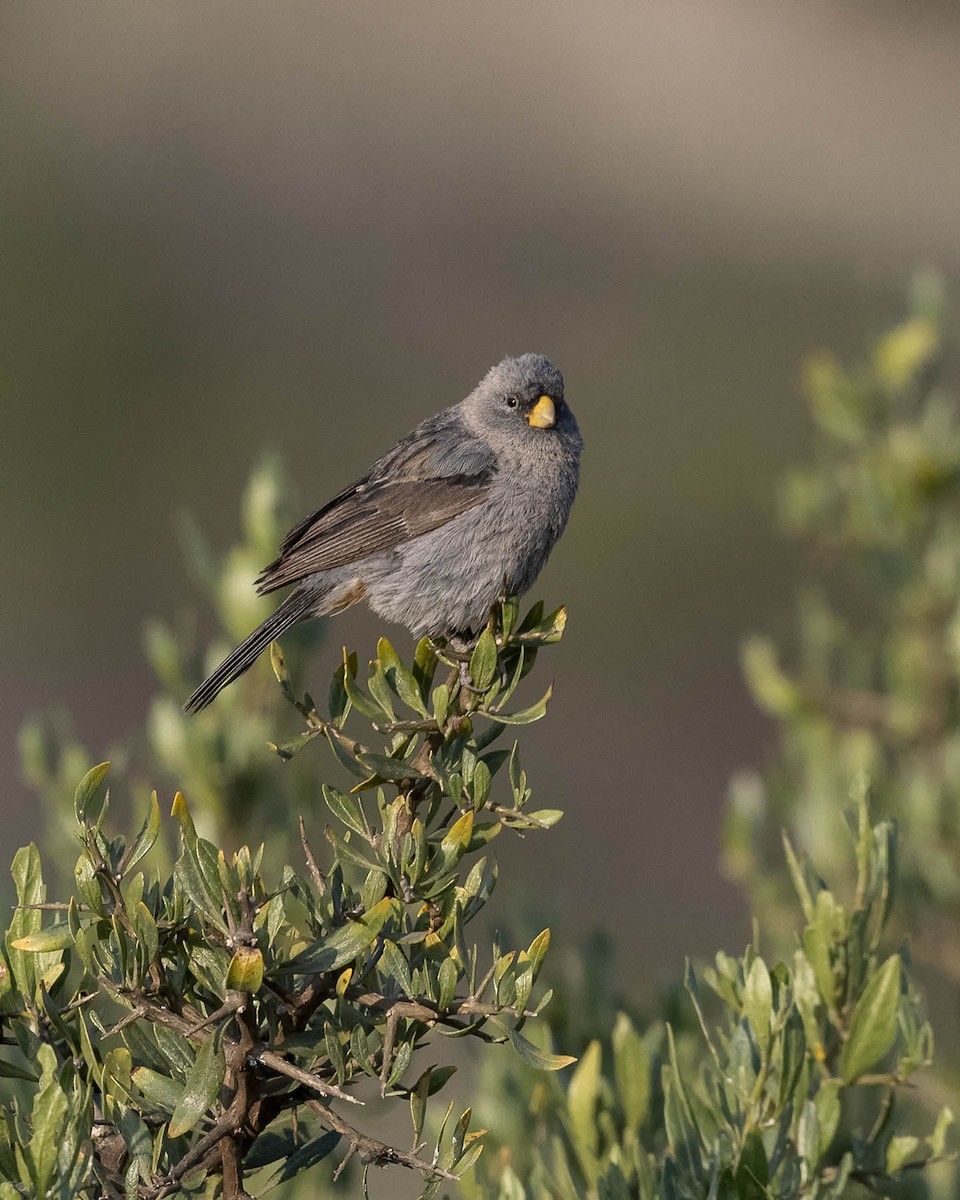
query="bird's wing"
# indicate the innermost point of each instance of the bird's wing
(407, 493)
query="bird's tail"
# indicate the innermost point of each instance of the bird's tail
(296, 605)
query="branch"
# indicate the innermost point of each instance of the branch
(282, 1067)
(373, 1151)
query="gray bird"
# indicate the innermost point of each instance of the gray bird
(469, 503)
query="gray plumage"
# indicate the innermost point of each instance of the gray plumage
(470, 502)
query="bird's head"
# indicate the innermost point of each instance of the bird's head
(521, 398)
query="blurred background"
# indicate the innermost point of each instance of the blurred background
(231, 227)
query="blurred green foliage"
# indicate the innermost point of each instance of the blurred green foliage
(781, 1080)
(870, 685)
(215, 758)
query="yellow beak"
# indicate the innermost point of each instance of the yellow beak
(543, 415)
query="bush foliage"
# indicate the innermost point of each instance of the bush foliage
(186, 1031)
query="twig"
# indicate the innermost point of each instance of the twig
(421, 1011)
(426, 726)
(196, 1154)
(134, 1015)
(233, 1005)
(315, 873)
(282, 1067)
(373, 1151)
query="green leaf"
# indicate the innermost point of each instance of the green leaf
(307, 1156)
(139, 1145)
(87, 790)
(49, 1113)
(291, 746)
(345, 757)
(903, 351)
(793, 1046)
(346, 809)
(509, 611)
(899, 1150)
(682, 1133)
(338, 702)
(526, 716)
(201, 1090)
(483, 660)
(544, 818)
(481, 785)
(533, 617)
(399, 678)
(56, 937)
(827, 1101)
(447, 983)
(534, 1055)
(343, 945)
(808, 1135)
(758, 1002)
(551, 628)
(268, 1148)
(392, 769)
(797, 877)
(25, 921)
(441, 702)
(380, 689)
(395, 964)
(938, 1139)
(348, 852)
(191, 877)
(537, 950)
(147, 836)
(753, 1171)
(358, 697)
(418, 1101)
(631, 1071)
(458, 836)
(161, 1091)
(148, 936)
(280, 670)
(335, 1052)
(245, 973)
(582, 1096)
(9, 1071)
(873, 1025)
(817, 945)
(181, 812)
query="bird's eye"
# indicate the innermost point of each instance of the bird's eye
(512, 402)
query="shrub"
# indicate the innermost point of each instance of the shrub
(192, 1031)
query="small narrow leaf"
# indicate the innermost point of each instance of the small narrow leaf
(57, 937)
(631, 1070)
(758, 1002)
(583, 1093)
(483, 660)
(535, 1056)
(202, 1087)
(337, 949)
(873, 1025)
(526, 716)
(87, 789)
(147, 836)
(346, 809)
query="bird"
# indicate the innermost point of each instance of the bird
(464, 509)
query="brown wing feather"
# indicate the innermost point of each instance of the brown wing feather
(370, 518)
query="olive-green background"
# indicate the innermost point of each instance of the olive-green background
(230, 226)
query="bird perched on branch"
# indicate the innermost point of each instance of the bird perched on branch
(466, 506)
